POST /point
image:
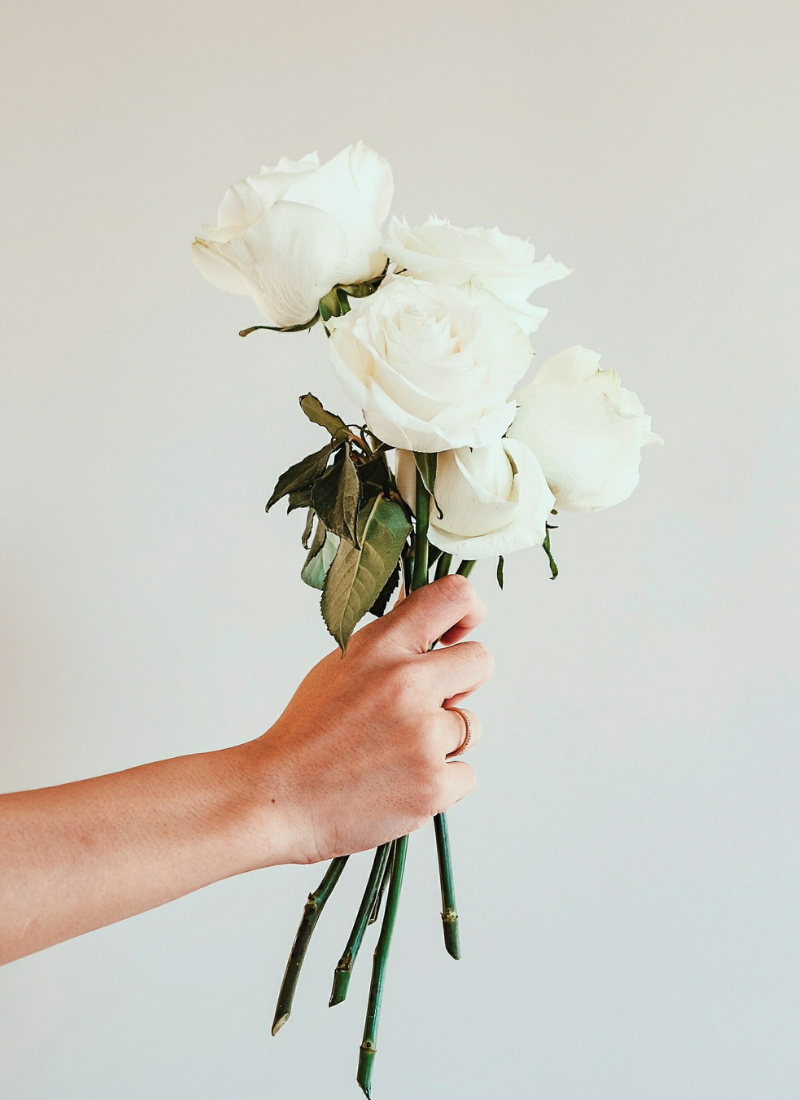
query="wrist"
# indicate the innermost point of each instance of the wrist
(262, 807)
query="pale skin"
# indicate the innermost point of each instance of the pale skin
(358, 758)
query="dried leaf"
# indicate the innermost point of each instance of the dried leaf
(335, 497)
(332, 423)
(288, 328)
(303, 474)
(300, 498)
(308, 528)
(375, 477)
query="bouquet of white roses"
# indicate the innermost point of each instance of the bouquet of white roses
(429, 336)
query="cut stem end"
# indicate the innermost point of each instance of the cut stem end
(278, 1022)
(451, 938)
(341, 980)
(366, 1061)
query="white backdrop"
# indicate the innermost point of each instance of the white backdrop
(628, 866)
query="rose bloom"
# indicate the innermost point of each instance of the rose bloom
(431, 367)
(475, 259)
(586, 430)
(289, 235)
(493, 500)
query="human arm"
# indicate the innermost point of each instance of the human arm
(356, 759)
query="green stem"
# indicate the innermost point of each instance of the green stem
(443, 853)
(376, 905)
(420, 574)
(311, 914)
(407, 562)
(466, 567)
(449, 912)
(443, 565)
(366, 1058)
(341, 975)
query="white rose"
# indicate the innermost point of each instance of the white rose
(474, 258)
(290, 235)
(494, 500)
(431, 367)
(586, 430)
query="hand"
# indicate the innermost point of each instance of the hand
(357, 758)
(359, 755)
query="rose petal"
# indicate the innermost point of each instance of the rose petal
(585, 429)
(489, 507)
(355, 187)
(288, 258)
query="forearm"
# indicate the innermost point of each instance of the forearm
(83, 855)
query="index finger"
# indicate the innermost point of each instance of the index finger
(448, 609)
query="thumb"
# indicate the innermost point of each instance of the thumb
(448, 609)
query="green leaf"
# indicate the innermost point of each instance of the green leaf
(303, 474)
(500, 564)
(335, 497)
(550, 558)
(386, 593)
(332, 423)
(359, 573)
(321, 553)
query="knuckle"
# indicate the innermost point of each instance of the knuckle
(478, 653)
(420, 749)
(402, 686)
(418, 820)
(426, 795)
(455, 587)
(466, 782)
(429, 737)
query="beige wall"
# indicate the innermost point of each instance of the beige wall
(628, 867)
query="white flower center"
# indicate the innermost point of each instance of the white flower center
(431, 337)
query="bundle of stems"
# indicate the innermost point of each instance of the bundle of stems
(386, 875)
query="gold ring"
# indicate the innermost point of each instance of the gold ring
(465, 743)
